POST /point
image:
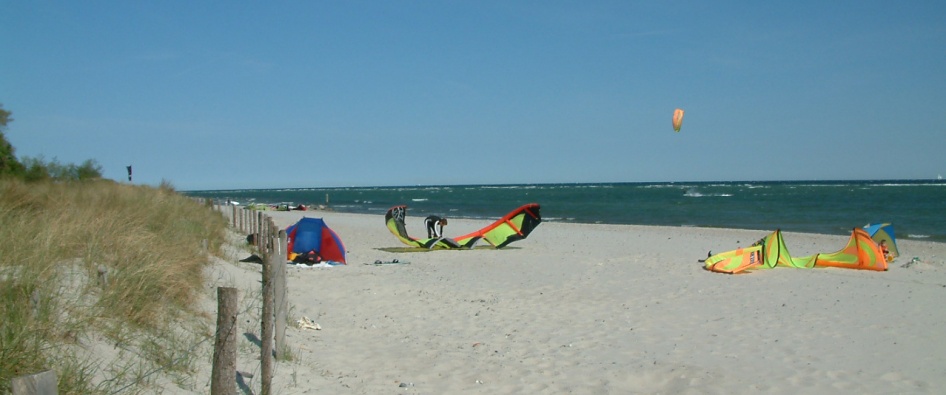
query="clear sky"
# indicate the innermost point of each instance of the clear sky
(239, 94)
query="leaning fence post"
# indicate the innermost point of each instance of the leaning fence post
(266, 332)
(272, 234)
(281, 293)
(103, 276)
(34, 303)
(267, 228)
(224, 367)
(247, 220)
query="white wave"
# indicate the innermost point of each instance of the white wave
(695, 193)
(419, 200)
(909, 236)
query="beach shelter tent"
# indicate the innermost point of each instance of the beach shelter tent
(861, 252)
(884, 232)
(312, 234)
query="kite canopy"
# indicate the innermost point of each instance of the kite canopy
(312, 234)
(884, 232)
(861, 252)
(512, 227)
(677, 119)
(516, 225)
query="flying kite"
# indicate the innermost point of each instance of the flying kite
(677, 119)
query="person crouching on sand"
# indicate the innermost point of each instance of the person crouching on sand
(435, 226)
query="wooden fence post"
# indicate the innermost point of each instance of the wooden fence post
(249, 221)
(281, 296)
(34, 303)
(266, 332)
(42, 383)
(267, 227)
(103, 276)
(223, 377)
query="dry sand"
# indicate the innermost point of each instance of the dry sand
(596, 309)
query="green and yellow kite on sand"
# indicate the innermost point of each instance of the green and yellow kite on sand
(861, 252)
(516, 225)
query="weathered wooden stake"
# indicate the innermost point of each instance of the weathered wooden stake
(266, 332)
(223, 376)
(34, 303)
(280, 298)
(250, 216)
(103, 276)
(260, 241)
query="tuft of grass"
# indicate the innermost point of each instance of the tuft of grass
(57, 237)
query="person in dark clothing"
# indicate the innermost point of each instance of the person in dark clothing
(435, 226)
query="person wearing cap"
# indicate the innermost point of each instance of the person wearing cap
(435, 226)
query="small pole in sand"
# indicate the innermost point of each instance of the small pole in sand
(34, 302)
(224, 366)
(280, 299)
(266, 332)
(103, 276)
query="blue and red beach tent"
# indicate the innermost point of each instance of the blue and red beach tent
(312, 234)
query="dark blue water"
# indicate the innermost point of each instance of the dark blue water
(916, 208)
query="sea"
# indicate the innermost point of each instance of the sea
(916, 208)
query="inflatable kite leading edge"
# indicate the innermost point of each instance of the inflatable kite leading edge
(861, 252)
(516, 225)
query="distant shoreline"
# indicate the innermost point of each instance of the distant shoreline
(894, 181)
(822, 207)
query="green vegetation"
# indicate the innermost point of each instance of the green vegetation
(98, 281)
(58, 238)
(38, 169)
(9, 166)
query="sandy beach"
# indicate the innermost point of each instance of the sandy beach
(595, 309)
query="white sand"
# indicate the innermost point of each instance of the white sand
(596, 309)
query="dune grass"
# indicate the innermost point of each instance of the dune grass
(56, 239)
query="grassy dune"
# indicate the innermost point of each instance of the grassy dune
(55, 313)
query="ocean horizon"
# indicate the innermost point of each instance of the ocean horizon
(914, 207)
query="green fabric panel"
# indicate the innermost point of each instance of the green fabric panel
(503, 232)
(398, 231)
(847, 255)
(499, 234)
(805, 262)
(735, 261)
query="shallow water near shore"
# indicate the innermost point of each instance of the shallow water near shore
(825, 207)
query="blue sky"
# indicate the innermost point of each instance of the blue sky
(220, 95)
